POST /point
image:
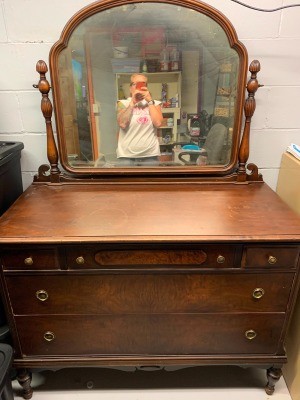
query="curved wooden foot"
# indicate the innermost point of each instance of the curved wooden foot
(273, 375)
(24, 378)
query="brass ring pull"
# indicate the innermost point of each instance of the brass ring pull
(28, 261)
(220, 259)
(42, 295)
(80, 260)
(272, 260)
(258, 293)
(49, 336)
(250, 334)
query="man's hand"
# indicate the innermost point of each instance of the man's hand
(139, 95)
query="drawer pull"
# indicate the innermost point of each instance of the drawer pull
(220, 259)
(49, 336)
(28, 261)
(41, 295)
(251, 334)
(80, 260)
(258, 293)
(272, 260)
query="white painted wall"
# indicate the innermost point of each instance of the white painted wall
(28, 28)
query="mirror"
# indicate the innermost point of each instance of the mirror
(194, 69)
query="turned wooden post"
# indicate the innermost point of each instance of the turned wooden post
(46, 107)
(24, 378)
(249, 109)
(273, 375)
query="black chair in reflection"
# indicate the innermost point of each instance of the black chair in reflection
(212, 149)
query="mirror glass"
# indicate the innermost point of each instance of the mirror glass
(188, 68)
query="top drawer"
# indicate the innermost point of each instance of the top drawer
(204, 256)
(271, 256)
(30, 258)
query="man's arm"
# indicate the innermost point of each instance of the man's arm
(124, 114)
(156, 115)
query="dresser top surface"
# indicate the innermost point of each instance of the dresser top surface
(153, 212)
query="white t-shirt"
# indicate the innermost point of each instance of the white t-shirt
(140, 138)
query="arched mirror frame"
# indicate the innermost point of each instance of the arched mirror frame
(234, 170)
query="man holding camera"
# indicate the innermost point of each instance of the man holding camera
(138, 117)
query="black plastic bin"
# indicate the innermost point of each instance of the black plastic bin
(10, 173)
(10, 189)
(6, 358)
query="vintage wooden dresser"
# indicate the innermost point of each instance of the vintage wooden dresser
(164, 265)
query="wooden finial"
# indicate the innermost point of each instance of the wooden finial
(249, 109)
(46, 107)
(41, 67)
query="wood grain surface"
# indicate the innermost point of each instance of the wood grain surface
(148, 212)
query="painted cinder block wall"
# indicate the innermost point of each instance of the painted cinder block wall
(28, 28)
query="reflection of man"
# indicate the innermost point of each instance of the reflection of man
(138, 117)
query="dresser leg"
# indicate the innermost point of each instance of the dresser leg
(24, 378)
(273, 375)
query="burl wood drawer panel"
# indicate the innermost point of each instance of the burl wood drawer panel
(30, 258)
(272, 256)
(168, 293)
(158, 334)
(218, 256)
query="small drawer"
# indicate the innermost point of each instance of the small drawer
(204, 256)
(271, 256)
(30, 259)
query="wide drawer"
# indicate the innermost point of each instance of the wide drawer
(157, 293)
(204, 256)
(30, 258)
(271, 256)
(180, 334)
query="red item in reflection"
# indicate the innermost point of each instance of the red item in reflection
(139, 85)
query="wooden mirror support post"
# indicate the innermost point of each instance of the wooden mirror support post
(250, 105)
(46, 107)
